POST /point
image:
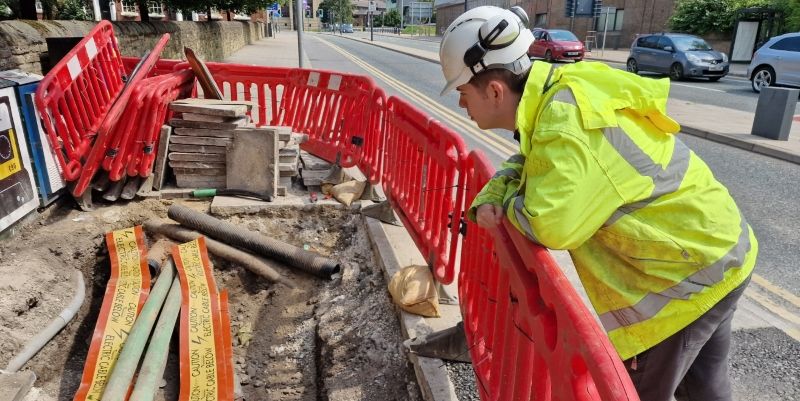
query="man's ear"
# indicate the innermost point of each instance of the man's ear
(495, 90)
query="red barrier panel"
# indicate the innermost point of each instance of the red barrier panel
(334, 109)
(77, 93)
(371, 162)
(97, 153)
(422, 181)
(135, 137)
(162, 67)
(531, 337)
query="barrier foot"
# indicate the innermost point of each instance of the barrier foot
(382, 211)
(85, 201)
(371, 194)
(448, 344)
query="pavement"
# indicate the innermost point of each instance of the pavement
(395, 249)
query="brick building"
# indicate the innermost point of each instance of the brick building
(626, 18)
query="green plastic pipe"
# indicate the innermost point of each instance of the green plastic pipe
(120, 380)
(155, 359)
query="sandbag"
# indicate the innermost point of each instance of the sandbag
(414, 291)
(349, 191)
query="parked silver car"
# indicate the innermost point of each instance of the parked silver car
(776, 63)
(679, 55)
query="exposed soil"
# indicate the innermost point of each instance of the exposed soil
(333, 339)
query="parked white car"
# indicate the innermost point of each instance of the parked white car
(777, 62)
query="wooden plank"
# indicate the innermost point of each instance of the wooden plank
(200, 171)
(160, 164)
(251, 161)
(182, 164)
(211, 107)
(196, 157)
(204, 78)
(217, 133)
(239, 122)
(196, 149)
(199, 140)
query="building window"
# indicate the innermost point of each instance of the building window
(154, 8)
(540, 20)
(615, 17)
(580, 8)
(129, 8)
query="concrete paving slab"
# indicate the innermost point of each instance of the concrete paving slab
(14, 386)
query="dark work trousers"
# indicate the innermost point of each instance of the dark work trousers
(693, 361)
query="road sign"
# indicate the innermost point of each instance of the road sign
(372, 6)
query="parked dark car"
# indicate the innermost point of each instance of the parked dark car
(347, 28)
(556, 44)
(776, 63)
(679, 55)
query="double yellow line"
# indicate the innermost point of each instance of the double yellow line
(505, 148)
(497, 144)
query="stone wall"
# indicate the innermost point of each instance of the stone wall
(23, 45)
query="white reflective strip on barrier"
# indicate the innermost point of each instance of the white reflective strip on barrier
(313, 79)
(335, 82)
(74, 67)
(91, 49)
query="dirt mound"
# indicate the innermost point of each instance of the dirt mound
(333, 339)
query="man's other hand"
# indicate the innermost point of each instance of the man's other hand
(489, 216)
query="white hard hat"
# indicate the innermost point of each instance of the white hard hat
(483, 38)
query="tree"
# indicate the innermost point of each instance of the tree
(703, 16)
(342, 11)
(72, 10)
(391, 18)
(234, 6)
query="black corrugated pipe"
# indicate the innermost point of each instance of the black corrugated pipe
(234, 235)
(227, 252)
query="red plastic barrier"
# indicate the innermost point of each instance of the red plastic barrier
(131, 148)
(164, 66)
(97, 153)
(333, 108)
(421, 179)
(531, 337)
(77, 93)
(371, 162)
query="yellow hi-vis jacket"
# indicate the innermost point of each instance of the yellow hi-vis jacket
(656, 239)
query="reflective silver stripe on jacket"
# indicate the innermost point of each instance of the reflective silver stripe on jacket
(652, 303)
(511, 172)
(665, 181)
(516, 159)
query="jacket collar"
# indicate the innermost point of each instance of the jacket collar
(599, 91)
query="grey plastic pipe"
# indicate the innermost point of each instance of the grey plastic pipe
(120, 380)
(234, 235)
(43, 337)
(155, 360)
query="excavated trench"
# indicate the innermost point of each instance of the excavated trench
(335, 339)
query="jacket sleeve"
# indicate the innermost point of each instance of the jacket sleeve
(495, 190)
(567, 195)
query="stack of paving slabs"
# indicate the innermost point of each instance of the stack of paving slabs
(199, 143)
(288, 157)
(313, 171)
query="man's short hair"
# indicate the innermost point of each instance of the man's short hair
(515, 82)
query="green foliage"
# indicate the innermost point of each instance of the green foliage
(5, 9)
(703, 16)
(72, 10)
(340, 10)
(391, 18)
(234, 6)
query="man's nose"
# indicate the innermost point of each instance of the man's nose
(462, 103)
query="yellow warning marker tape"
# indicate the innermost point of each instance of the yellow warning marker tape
(204, 372)
(126, 291)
